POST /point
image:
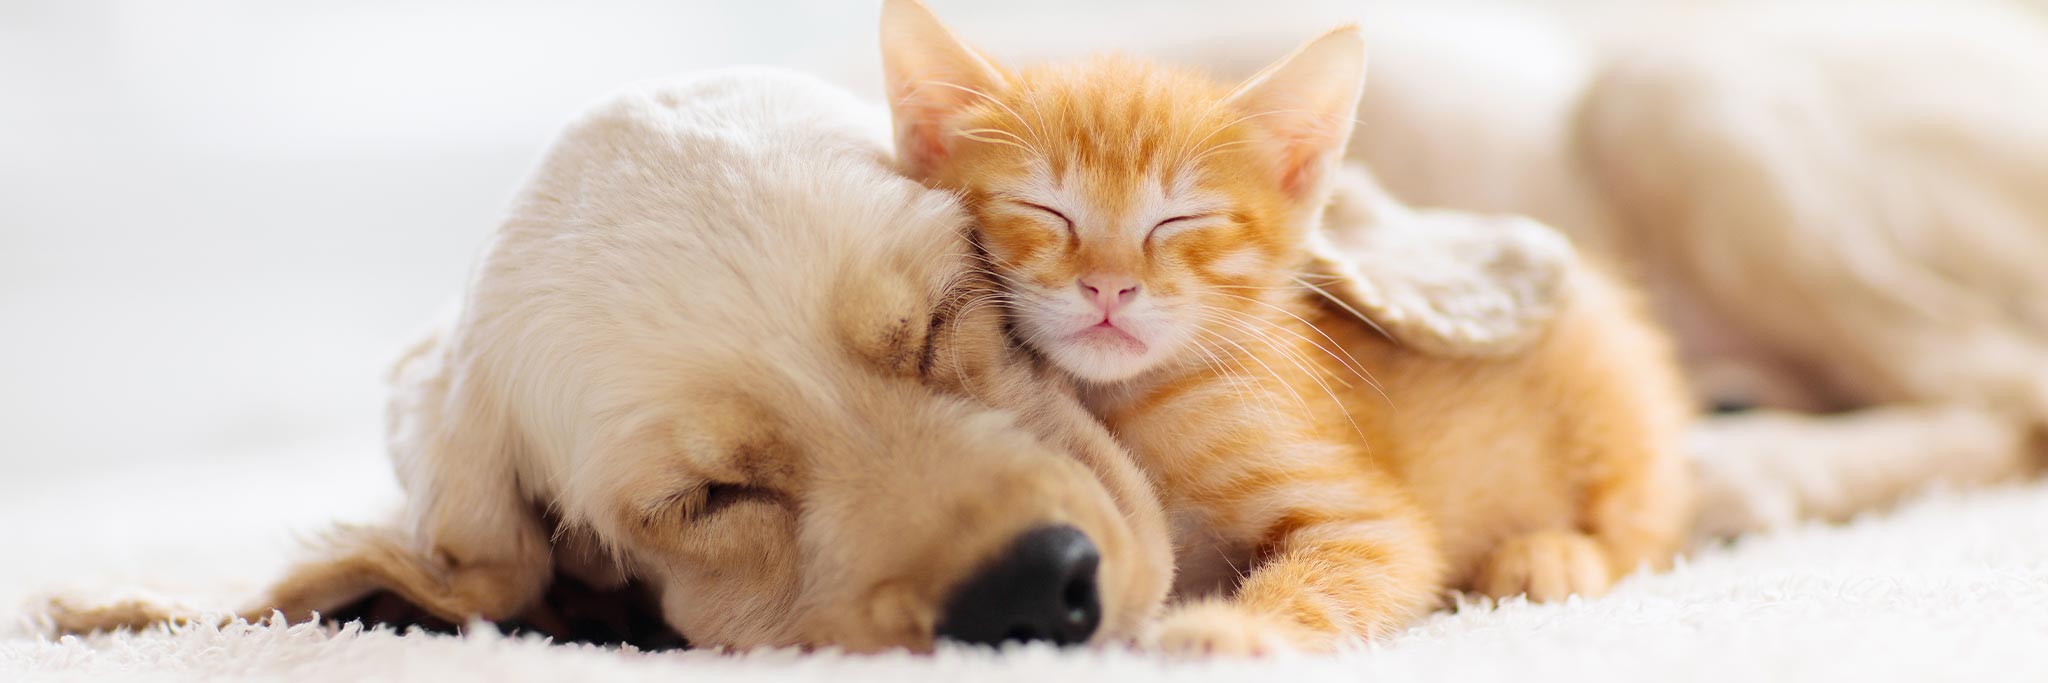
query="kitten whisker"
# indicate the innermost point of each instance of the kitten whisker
(1293, 356)
(1349, 361)
(1222, 374)
(1287, 352)
(1183, 152)
(1275, 374)
(1218, 148)
(1348, 309)
(1320, 371)
(975, 136)
(1240, 380)
(1035, 136)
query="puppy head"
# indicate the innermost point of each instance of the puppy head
(836, 482)
(725, 351)
(814, 455)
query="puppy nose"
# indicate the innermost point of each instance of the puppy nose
(1041, 588)
(1109, 292)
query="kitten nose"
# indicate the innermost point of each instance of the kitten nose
(1041, 588)
(1109, 292)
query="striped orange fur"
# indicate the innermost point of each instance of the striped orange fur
(1325, 482)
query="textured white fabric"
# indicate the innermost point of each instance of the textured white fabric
(1452, 283)
(1952, 587)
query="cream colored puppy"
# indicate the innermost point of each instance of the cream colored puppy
(720, 347)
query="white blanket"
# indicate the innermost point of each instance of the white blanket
(1952, 587)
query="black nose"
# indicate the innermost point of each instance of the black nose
(1041, 588)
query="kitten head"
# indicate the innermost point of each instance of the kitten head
(1137, 213)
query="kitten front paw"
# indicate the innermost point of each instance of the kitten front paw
(1216, 629)
(1546, 566)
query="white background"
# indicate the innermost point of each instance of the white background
(219, 219)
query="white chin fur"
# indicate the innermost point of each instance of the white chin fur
(1055, 333)
(1095, 363)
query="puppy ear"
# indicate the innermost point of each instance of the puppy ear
(351, 563)
(354, 562)
(1442, 282)
(1306, 102)
(931, 77)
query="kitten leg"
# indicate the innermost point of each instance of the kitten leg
(1634, 519)
(1641, 507)
(1546, 566)
(1634, 513)
(1359, 562)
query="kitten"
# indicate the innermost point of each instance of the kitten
(1150, 225)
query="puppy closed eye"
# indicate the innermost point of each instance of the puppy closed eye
(705, 502)
(721, 497)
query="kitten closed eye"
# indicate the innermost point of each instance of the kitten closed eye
(1318, 512)
(1049, 211)
(1178, 223)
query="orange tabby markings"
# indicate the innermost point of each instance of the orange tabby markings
(1336, 504)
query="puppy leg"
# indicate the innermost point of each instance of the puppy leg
(1759, 471)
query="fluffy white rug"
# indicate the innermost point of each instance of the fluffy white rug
(1951, 587)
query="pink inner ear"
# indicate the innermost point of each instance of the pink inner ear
(924, 111)
(927, 148)
(922, 142)
(1301, 168)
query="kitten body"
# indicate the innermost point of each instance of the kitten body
(1150, 227)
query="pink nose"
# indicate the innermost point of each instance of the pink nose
(1109, 292)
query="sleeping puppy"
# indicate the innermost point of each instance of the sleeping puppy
(720, 348)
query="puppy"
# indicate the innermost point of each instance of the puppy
(721, 348)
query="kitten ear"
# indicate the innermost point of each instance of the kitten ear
(931, 76)
(1307, 102)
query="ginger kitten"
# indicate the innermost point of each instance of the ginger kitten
(1150, 226)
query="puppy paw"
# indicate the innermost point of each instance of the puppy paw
(1216, 629)
(1546, 566)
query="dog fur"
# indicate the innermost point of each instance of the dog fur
(721, 348)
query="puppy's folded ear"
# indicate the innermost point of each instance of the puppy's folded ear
(354, 562)
(350, 565)
(1441, 282)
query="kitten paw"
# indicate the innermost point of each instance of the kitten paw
(1546, 566)
(1215, 629)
